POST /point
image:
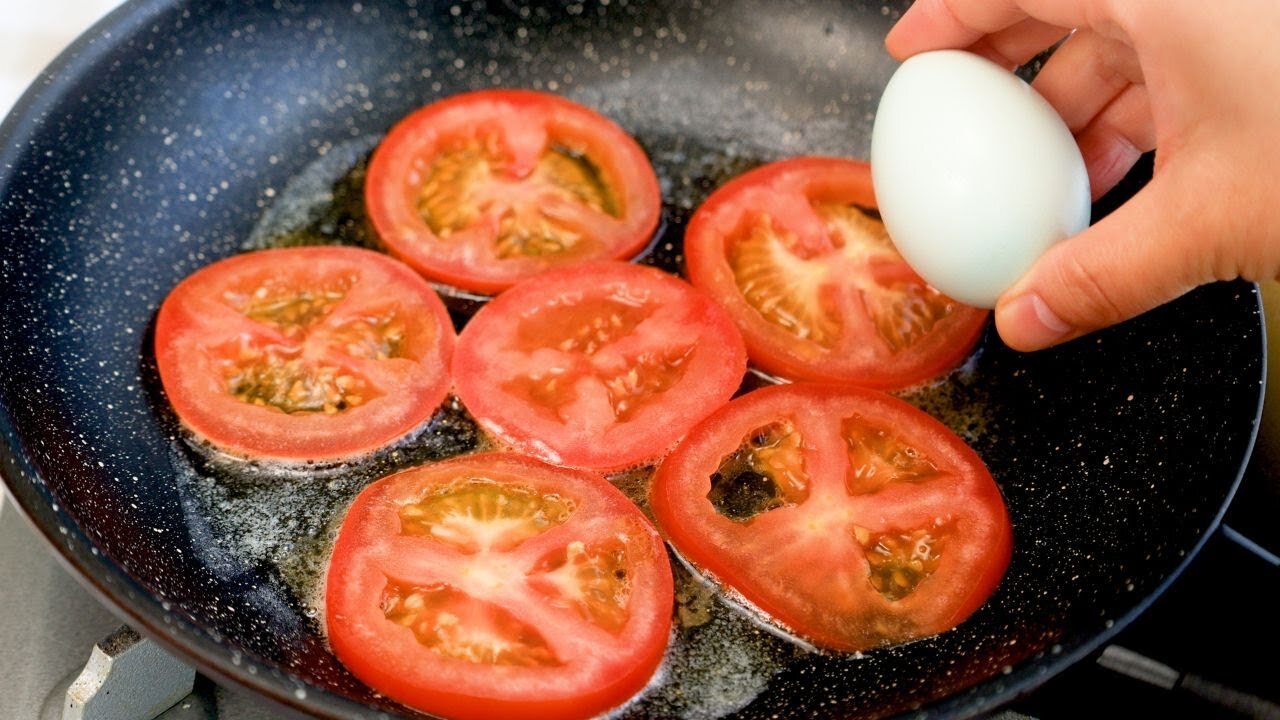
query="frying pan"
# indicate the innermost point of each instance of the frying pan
(172, 133)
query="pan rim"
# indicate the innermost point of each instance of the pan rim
(73, 549)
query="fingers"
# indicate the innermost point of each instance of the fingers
(1115, 139)
(938, 24)
(1085, 75)
(1018, 43)
(1095, 84)
(1144, 254)
(932, 25)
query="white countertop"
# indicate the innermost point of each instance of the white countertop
(33, 33)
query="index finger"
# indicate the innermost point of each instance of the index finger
(939, 24)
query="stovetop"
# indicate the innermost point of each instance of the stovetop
(1207, 630)
(48, 626)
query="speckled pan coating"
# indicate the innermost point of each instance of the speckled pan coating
(154, 146)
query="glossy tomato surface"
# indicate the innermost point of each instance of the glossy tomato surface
(483, 189)
(602, 366)
(850, 517)
(796, 253)
(304, 354)
(497, 586)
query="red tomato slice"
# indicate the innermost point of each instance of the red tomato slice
(484, 189)
(815, 284)
(602, 366)
(304, 354)
(496, 586)
(847, 515)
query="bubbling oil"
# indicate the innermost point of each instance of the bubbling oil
(281, 520)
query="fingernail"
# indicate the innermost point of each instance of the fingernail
(1027, 323)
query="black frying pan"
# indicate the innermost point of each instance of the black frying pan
(162, 139)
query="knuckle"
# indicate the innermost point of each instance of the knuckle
(1087, 300)
(1113, 18)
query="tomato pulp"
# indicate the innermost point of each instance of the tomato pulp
(304, 354)
(796, 254)
(497, 586)
(603, 365)
(850, 517)
(484, 189)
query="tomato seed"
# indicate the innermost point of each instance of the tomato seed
(480, 515)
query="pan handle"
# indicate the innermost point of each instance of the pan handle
(1237, 702)
(1244, 541)
(1140, 667)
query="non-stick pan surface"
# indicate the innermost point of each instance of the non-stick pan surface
(174, 132)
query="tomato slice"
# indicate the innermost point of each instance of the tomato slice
(497, 586)
(796, 253)
(602, 366)
(484, 189)
(850, 517)
(304, 354)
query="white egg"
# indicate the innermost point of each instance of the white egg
(975, 174)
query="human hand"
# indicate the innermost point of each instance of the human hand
(1191, 79)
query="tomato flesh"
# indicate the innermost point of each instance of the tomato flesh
(459, 627)
(586, 330)
(467, 182)
(482, 516)
(879, 457)
(850, 517)
(601, 366)
(796, 254)
(304, 354)
(497, 586)
(484, 189)
(589, 579)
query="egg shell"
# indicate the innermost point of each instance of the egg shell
(975, 174)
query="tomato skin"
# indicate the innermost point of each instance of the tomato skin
(522, 123)
(785, 192)
(200, 329)
(803, 564)
(498, 345)
(598, 671)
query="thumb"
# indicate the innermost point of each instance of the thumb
(1146, 253)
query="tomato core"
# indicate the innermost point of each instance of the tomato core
(899, 562)
(786, 282)
(485, 189)
(602, 366)
(475, 179)
(878, 457)
(493, 585)
(590, 579)
(588, 330)
(291, 311)
(480, 515)
(271, 374)
(782, 285)
(263, 377)
(309, 354)
(798, 255)
(451, 624)
(852, 518)
(766, 472)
